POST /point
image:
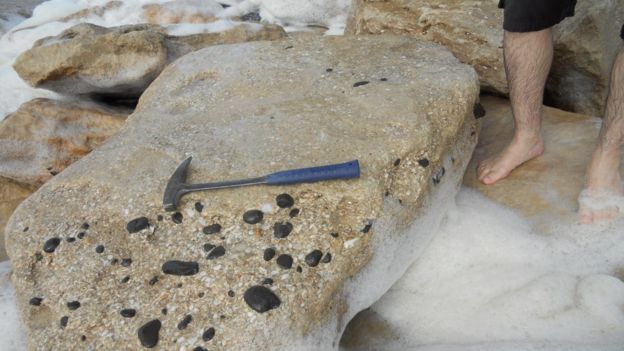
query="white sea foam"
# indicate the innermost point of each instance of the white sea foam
(13, 333)
(488, 281)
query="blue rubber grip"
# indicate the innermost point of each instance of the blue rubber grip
(345, 170)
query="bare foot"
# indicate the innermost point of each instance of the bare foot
(603, 198)
(520, 150)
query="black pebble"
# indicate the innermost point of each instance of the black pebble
(160, 218)
(126, 262)
(128, 312)
(383, 79)
(253, 216)
(83, 338)
(81, 235)
(38, 256)
(313, 258)
(137, 224)
(423, 162)
(208, 247)
(261, 299)
(199, 207)
(125, 279)
(328, 70)
(208, 334)
(212, 229)
(51, 244)
(99, 248)
(216, 253)
(25, 229)
(269, 253)
(185, 322)
(289, 47)
(148, 333)
(177, 217)
(73, 305)
(114, 261)
(164, 311)
(201, 294)
(53, 173)
(281, 230)
(397, 162)
(153, 281)
(294, 213)
(478, 110)
(35, 301)
(367, 228)
(71, 239)
(357, 84)
(267, 281)
(180, 268)
(299, 269)
(199, 348)
(327, 258)
(285, 261)
(84, 226)
(334, 234)
(64, 321)
(231, 293)
(284, 201)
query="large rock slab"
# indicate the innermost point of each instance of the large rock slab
(406, 112)
(120, 61)
(45, 136)
(585, 45)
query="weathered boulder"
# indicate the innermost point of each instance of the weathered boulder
(44, 136)
(472, 30)
(120, 61)
(99, 239)
(11, 195)
(585, 45)
(182, 11)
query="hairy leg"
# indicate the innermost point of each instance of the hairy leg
(528, 57)
(603, 192)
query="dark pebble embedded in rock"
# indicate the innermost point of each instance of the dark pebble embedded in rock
(84, 226)
(231, 293)
(334, 234)
(357, 84)
(199, 207)
(478, 110)
(269, 253)
(125, 279)
(35, 301)
(185, 322)
(81, 235)
(285, 261)
(313, 258)
(208, 334)
(180, 268)
(383, 79)
(299, 269)
(216, 253)
(38, 256)
(160, 218)
(177, 217)
(423, 162)
(282, 230)
(208, 247)
(329, 70)
(83, 337)
(153, 281)
(51, 244)
(327, 258)
(261, 299)
(267, 281)
(137, 224)
(99, 248)
(164, 311)
(212, 229)
(73, 305)
(253, 216)
(397, 162)
(199, 348)
(25, 229)
(367, 228)
(64, 321)
(126, 262)
(437, 177)
(114, 261)
(284, 200)
(128, 312)
(148, 333)
(71, 239)
(294, 213)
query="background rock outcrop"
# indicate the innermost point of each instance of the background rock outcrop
(97, 255)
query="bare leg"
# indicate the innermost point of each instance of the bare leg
(528, 57)
(603, 176)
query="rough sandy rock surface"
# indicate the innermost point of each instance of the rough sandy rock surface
(95, 245)
(585, 45)
(119, 61)
(11, 195)
(45, 136)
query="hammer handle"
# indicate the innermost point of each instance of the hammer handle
(345, 170)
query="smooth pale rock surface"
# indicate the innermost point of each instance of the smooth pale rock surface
(241, 118)
(119, 61)
(45, 136)
(11, 195)
(585, 45)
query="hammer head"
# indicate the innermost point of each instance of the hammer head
(176, 186)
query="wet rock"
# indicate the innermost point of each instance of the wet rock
(177, 218)
(261, 299)
(35, 301)
(128, 312)
(269, 253)
(212, 229)
(185, 322)
(148, 333)
(284, 201)
(216, 253)
(180, 268)
(51, 244)
(137, 225)
(73, 305)
(284, 261)
(282, 230)
(253, 216)
(313, 258)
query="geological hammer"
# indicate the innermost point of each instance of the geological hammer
(176, 187)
